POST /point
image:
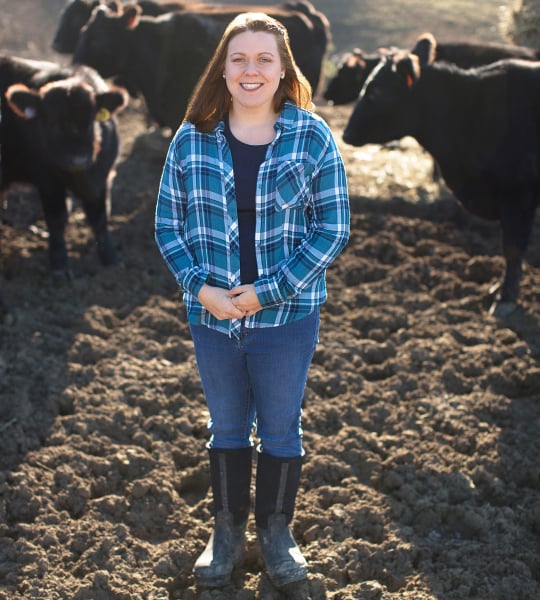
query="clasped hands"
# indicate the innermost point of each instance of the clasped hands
(239, 302)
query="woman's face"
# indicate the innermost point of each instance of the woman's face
(253, 69)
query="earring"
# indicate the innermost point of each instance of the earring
(283, 76)
(223, 75)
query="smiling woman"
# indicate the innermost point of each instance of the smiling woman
(263, 56)
(252, 209)
(253, 73)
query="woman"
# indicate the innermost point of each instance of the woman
(252, 209)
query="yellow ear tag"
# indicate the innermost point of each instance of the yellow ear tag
(103, 114)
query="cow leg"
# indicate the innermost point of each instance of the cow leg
(507, 292)
(3, 207)
(516, 227)
(56, 217)
(96, 214)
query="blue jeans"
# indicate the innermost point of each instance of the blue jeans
(257, 381)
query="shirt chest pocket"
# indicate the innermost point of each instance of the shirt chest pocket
(293, 185)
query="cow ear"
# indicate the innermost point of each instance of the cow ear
(99, 12)
(409, 68)
(115, 6)
(355, 59)
(110, 103)
(425, 48)
(112, 6)
(131, 16)
(23, 101)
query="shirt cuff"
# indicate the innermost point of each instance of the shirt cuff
(194, 280)
(273, 290)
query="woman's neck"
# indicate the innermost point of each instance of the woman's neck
(252, 127)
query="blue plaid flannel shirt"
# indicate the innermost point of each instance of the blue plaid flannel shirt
(302, 218)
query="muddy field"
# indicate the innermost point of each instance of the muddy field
(422, 411)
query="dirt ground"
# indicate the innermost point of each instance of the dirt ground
(421, 421)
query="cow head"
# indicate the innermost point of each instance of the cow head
(381, 113)
(102, 43)
(347, 83)
(73, 18)
(66, 115)
(352, 74)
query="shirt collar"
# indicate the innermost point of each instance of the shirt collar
(288, 117)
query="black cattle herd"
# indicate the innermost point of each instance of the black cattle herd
(474, 107)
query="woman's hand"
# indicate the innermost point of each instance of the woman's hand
(245, 299)
(219, 303)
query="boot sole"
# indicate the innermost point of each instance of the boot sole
(212, 582)
(221, 580)
(284, 580)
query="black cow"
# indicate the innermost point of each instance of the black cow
(73, 18)
(482, 126)
(351, 75)
(77, 13)
(356, 66)
(163, 57)
(58, 133)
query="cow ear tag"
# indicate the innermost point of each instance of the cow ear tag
(103, 114)
(409, 80)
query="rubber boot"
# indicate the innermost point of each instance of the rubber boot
(276, 487)
(230, 472)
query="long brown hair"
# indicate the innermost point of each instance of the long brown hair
(211, 99)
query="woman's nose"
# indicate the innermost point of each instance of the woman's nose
(251, 66)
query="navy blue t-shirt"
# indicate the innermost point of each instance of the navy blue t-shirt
(246, 159)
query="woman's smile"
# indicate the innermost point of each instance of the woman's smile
(253, 69)
(251, 86)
